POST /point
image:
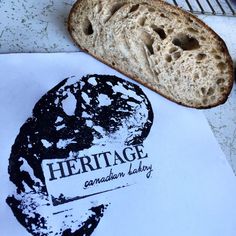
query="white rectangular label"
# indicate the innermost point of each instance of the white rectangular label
(92, 172)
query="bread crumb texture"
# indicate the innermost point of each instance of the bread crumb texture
(160, 46)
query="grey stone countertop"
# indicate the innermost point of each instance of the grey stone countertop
(40, 26)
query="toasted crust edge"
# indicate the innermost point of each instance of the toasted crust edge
(184, 13)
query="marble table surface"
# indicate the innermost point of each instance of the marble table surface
(40, 26)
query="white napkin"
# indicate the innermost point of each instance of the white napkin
(191, 189)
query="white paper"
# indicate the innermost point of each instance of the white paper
(191, 191)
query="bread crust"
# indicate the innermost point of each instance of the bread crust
(178, 10)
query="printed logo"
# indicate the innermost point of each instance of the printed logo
(84, 139)
(84, 176)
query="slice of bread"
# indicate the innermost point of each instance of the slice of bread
(164, 48)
